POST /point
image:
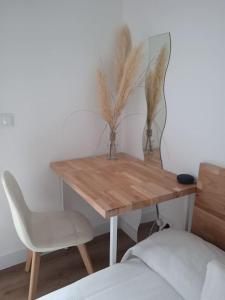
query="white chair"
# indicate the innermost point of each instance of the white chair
(44, 232)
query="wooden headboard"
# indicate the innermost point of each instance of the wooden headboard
(209, 211)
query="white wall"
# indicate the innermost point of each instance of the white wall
(48, 57)
(194, 88)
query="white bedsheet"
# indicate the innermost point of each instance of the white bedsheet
(169, 265)
(131, 280)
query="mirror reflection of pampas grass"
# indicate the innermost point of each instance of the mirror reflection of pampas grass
(153, 88)
(128, 61)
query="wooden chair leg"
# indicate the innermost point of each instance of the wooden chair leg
(34, 275)
(86, 258)
(28, 261)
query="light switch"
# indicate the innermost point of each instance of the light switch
(7, 120)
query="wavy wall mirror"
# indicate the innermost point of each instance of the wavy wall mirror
(158, 50)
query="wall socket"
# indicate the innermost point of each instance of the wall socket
(7, 120)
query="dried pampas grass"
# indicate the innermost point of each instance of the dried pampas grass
(127, 82)
(153, 86)
(128, 61)
(123, 48)
(105, 98)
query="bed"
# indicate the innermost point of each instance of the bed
(170, 264)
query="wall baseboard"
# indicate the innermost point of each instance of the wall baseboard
(101, 229)
(148, 215)
(13, 258)
(128, 229)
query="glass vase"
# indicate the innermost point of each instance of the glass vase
(112, 145)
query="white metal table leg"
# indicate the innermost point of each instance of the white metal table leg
(190, 207)
(113, 240)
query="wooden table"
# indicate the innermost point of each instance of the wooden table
(113, 187)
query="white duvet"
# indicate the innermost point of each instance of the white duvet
(130, 280)
(169, 265)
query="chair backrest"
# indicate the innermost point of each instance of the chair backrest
(19, 210)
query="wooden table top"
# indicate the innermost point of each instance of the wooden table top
(113, 187)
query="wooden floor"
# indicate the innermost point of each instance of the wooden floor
(60, 268)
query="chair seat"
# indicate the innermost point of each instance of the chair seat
(56, 230)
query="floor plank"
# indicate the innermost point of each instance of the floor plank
(59, 268)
